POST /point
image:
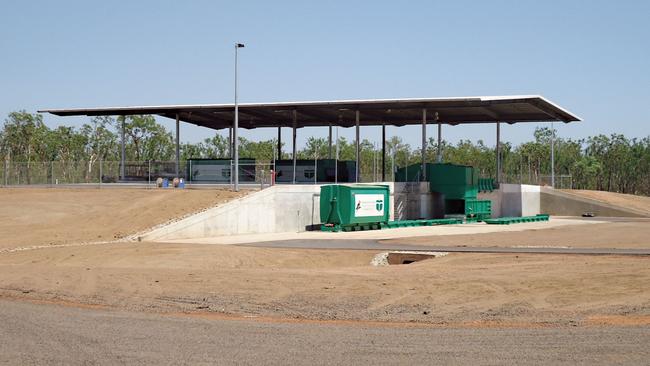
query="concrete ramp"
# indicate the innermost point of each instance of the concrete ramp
(280, 208)
(562, 203)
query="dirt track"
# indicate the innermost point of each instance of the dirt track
(41, 216)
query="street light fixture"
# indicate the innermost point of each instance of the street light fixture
(236, 127)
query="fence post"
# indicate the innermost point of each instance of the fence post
(315, 171)
(52, 171)
(149, 174)
(6, 172)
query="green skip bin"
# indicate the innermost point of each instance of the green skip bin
(355, 206)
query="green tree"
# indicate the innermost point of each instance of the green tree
(146, 139)
(25, 140)
(217, 147)
(100, 142)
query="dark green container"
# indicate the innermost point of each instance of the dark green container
(455, 182)
(354, 204)
(411, 173)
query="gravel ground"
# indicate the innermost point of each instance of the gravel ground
(54, 335)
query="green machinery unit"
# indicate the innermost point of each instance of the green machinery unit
(354, 206)
(458, 184)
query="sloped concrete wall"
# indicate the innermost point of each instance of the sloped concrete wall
(564, 204)
(281, 208)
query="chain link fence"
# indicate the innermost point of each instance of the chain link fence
(104, 172)
(212, 171)
(563, 181)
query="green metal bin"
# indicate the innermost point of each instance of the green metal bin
(454, 181)
(354, 204)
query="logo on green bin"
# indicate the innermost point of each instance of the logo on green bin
(379, 205)
(368, 205)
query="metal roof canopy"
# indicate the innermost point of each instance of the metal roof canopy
(372, 112)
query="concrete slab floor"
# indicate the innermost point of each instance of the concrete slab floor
(410, 232)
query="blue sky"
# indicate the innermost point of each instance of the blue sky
(591, 57)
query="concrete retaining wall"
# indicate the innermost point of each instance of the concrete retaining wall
(412, 201)
(513, 200)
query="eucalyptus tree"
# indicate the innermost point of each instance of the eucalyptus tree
(146, 139)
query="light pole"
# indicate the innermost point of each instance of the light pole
(236, 127)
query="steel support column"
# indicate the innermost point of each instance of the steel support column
(293, 145)
(553, 154)
(498, 153)
(279, 143)
(336, 157)
(383, 152)
(424, 143)
(358, 151)
(178, 150)
(329, 142)
(439, 150)
(123, 148)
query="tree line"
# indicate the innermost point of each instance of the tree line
(612, 163)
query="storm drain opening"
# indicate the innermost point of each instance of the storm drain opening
(403, 257)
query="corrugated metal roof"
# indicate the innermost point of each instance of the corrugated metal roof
(398, 112)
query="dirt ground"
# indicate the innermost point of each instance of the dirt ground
(337, 285)
(641, 203)
(629, 233)
(316, 284)
(41, 216)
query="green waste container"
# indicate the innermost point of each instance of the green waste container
(454, 181)
(451, 180)
(343, 204)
